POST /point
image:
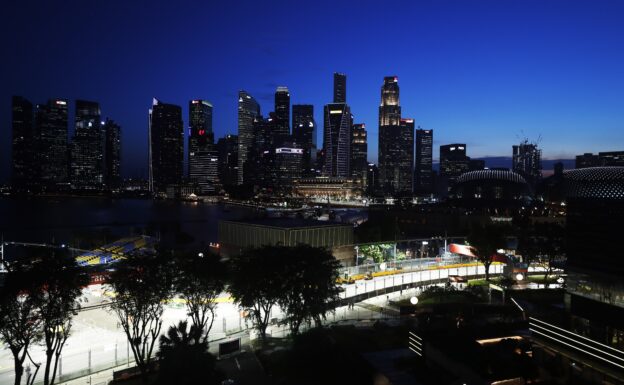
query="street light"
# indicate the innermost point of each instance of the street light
(200, 255)
(414, 300)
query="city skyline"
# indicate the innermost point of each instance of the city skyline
(488, 86)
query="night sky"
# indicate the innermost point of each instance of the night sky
(486, 73)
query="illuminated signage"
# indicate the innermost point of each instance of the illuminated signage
(286, 150)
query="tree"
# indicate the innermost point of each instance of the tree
(257, 283)
(141, 284)
(310, 290)
(199, 280)
(485, 241)
(184, 357)
(20, 321)
(60, 281)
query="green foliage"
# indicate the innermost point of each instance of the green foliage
(378, 252)
(301, 279)
(141, 284)
(485, 241)
(184, 358)
(199, 281)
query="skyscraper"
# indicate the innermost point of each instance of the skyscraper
(337, 139)
(51, 127)
(112, 154)
(453, 161)
(359, 153)
(304, 135)
(527, 161)
(248, 111)
(203, 168)
(166, 146)
(282, 115)
(87, 148)
(340, 88)
(423, 181)
(23, 146)
(396, 142)
(228, 160)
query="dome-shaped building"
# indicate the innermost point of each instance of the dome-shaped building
(494, 188)
(595, 183)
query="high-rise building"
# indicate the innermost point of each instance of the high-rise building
(202, 154)
(304, 135)
(340, 88)
(228, 160)
(423, 175)
(587, 160)
(282, 115)
(51, 128)
(259, 167)
(359, 153)
(611, 158)
(527, 161)
(24, 170)
(372, 179)
(287, 166)
(337, 139)
(453, 161)
(112, 154)
(166, 146)
(390, 136)
(87, 148)
(248, 111)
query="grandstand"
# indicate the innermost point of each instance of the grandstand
(115, 251)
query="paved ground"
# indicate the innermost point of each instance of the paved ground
(97, 343)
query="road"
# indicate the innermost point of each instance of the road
(98, 343)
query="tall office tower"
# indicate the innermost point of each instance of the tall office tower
(453, 161)
(337, 139)
(282, 115)
(359, 153)
(423, 175)
(389, 122)
(228, 160)
(340, 88)
(112, 154)
(201, 150)
(51, 127)
(287, 165)
(527, 161)
(372, 179)
(304, 135)
(23, 146)
(87, 148)
(258, 167)
(248, 111)
(166, 146)
(586, 160)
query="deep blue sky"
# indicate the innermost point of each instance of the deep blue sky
(481, 72)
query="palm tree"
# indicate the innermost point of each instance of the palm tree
(184, 359)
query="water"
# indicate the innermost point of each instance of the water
(87, 222)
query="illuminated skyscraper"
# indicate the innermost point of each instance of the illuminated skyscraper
(359, 153)
(248, 111)
(282, 115)
(51, 127)
(202, 158)
(396, 142)
(423, 181)
(340, 88)
(24, 170)
(304, 135)
(337, 140)
(453, 161)
(87, 148)
(112, 154)
(166, 146)
(228, 160)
